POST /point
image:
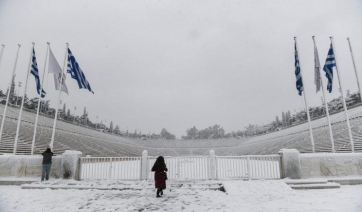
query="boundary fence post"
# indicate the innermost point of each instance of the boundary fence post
(144, 165)
(249, 172)
(110, 169)
(212, 168)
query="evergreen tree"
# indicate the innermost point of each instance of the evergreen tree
(192, 133)
(64, 109)
(277, 121)
(166, 135)
(288, 118)
(111, 127)
(116, 130)
(12, 91)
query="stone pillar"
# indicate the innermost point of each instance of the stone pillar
(290, 164)
(212, 167)
(144, 165)
(71, 164)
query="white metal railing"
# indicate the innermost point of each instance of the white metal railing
(248, 167)
(190, 167)
(183, 167)
(110, 168)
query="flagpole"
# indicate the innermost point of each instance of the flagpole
(8, 96)
(37, 111)
(355, 69)
(46, 96)
(305, 100)
(22, 101)
(60, 90)
(325, 101)
(343, 100)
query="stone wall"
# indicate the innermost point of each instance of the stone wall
(290, 164)
(70, 164)
(27, 166)
(330, 164)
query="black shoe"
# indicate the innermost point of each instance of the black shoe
(158, 192)
(158, 196)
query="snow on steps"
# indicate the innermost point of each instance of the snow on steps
(346, 180)
(311, 184)
(305, 181)
(17, 181)
(350, 180)
(316, 186)
(122, 185)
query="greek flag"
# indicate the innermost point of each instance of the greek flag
(77, 73)
(34, 71)
(328, 68)
(299, 82)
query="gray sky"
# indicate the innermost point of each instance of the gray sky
(179, 64)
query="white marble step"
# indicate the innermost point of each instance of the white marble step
(316, 186)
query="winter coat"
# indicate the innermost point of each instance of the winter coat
(47, 157)
(160, 181)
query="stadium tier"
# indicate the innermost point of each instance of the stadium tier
(92, 142)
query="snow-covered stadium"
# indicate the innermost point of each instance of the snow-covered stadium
(94, 143)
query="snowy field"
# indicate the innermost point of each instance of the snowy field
(258, 195)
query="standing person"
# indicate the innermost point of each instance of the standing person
(159, 168)
(47, 164)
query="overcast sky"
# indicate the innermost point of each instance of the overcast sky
(178, 64)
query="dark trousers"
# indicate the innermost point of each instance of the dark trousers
(45, 171)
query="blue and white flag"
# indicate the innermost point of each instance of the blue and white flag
(34, 71)
(299, 82)
(328, 68)
(77, 73)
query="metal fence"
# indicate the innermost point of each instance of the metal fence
(183, 167)
(248, 167)
(127, 168)
(194, 167)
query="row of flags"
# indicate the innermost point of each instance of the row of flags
(54, 68)
(329, 64)
(73, 69)
(327, 68)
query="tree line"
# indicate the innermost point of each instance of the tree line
(31, 105)
(287, 120)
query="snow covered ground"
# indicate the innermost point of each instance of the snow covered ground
(258, 195)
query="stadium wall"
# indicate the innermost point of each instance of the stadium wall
(330, 164)
(21, 166)
(27, 166)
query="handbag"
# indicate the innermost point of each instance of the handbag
(165, 175)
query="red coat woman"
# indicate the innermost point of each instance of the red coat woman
(160, 182)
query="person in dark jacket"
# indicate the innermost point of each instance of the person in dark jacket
(47, 164)
(159, 168)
